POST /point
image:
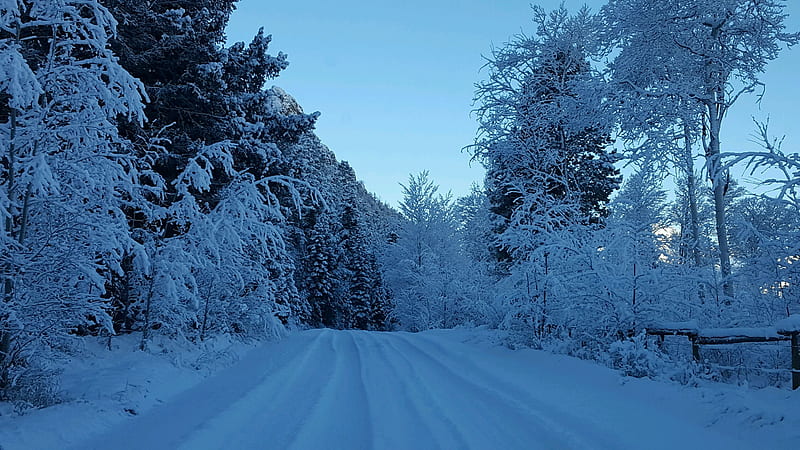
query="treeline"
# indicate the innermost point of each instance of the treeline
(645, 84)
(150, 183)
(558, 252)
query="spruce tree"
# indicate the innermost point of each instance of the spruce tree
(546, 147)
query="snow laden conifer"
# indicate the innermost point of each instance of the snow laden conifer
(542, 136)
(544, 140)
(364, 299)
(322, 260)
(218, 233)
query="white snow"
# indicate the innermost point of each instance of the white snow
(790, 324)
(744, 332)
(104, 388)
(688, 326)
(439, 389)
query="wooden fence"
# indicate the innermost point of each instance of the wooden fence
(718, 336)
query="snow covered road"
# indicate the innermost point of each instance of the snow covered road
(325, 389)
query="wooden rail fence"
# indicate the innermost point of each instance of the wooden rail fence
(783, 331)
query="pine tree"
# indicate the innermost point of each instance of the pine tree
(364, 300)
(219, 134)
(541, 136)
(321, 261)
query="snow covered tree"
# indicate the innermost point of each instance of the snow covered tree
(66, 174)
(322, 259)
(363, 305)
(541, 137)
(474, 226)
(220, 136)
(170, 47)
(715, 52)
(767, 227)
(433, 282)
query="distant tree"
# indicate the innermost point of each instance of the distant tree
(433, 282)
(321, 260)
(364, 299)
(474, 225)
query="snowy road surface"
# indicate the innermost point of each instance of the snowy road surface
(325, 389)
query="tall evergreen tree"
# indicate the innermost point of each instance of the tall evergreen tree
(219, 134)
(545, 145)
(321, 260)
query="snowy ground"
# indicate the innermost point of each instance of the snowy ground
(443, 389)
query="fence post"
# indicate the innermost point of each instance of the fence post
(796, 360)
(695, 348)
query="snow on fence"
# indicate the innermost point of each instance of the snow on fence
(785, 330)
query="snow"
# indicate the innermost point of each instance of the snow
(790, 324)
(690, 326)
(438, 389)
(104, 388)
(745, 332)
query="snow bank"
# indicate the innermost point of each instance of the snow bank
(102, 388)
(687, 327)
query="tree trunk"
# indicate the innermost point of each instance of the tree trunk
(206, 309)
(6, 341)
(543, 326)
(717, 175)
(691, 186)
(147, 309)
(716, 105)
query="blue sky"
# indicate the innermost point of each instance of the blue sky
(394, 81)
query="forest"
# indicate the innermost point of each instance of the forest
(151, 184)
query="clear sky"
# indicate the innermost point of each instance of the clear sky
(394, 80)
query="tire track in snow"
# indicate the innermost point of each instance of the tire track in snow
(362, 384)
(448, 429)
(352, 390)
(167, 425)
(482, 421)
(445, 430)
(516, 426)
(340, 416)
(270, 414)
(592, 436)
(397, 417)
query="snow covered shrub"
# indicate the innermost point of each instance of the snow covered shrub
(518, 329)
(66, 176)
(216, 353)
(634, 359)
(688, 374)
(33, 386)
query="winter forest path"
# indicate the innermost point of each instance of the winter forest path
(325, 389)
